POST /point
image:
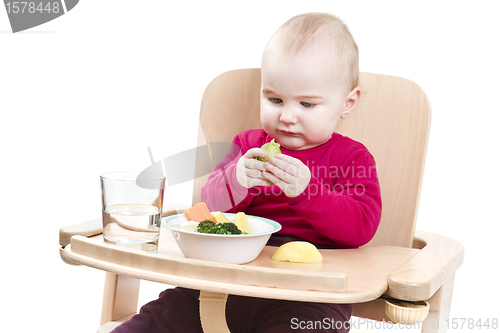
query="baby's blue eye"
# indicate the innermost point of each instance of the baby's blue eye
(275, 100)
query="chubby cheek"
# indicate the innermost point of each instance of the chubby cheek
(319, 131)
(268, 119)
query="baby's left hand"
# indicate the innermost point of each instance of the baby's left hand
(288, 173)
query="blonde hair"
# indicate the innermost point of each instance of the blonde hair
(312, 30)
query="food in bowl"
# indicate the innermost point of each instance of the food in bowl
(199, 213)
(241, 221)
(297, 251)
(201, 220)
(219, 217)
(236, 249)
(223, 228)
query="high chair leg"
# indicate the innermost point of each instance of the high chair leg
(121, 296)
(439, 311)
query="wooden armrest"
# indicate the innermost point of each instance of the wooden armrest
(422, 275)
(86, 229)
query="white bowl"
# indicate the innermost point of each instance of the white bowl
(235, 249)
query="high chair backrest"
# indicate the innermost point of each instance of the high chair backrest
(392, 120)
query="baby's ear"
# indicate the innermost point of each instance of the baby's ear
(351, 102)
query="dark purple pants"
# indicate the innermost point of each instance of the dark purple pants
(177, 311)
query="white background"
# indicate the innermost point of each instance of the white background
(90, 91)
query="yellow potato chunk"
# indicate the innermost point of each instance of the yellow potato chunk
(220, 218)
(240, 219)
(298, 251)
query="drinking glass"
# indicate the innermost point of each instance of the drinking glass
(131, 209)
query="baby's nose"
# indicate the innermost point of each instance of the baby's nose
(288, 116)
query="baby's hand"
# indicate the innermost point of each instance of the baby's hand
(249, 170)
(288, 173)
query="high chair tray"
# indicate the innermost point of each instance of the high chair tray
(341, 278)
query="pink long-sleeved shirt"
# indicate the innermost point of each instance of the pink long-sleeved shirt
(341, 206)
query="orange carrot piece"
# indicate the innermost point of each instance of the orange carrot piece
(199, 213)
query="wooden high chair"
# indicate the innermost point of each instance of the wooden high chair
(392, 121)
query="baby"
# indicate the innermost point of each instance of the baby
(323, 188)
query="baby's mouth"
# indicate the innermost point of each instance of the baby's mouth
(289, 133)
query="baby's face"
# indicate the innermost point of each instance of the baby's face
(302, 98)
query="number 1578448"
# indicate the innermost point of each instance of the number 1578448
(471, 323)
(24, 7)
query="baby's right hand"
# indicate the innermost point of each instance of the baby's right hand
(249, 170)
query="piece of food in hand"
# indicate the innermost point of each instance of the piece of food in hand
(198, 213)
(240, 219)
(272, 148)
(210, 227)
(298, 251)
(220, 218)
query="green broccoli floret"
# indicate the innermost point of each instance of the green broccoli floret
(206, 227)
(229, 228)
(209, 227)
